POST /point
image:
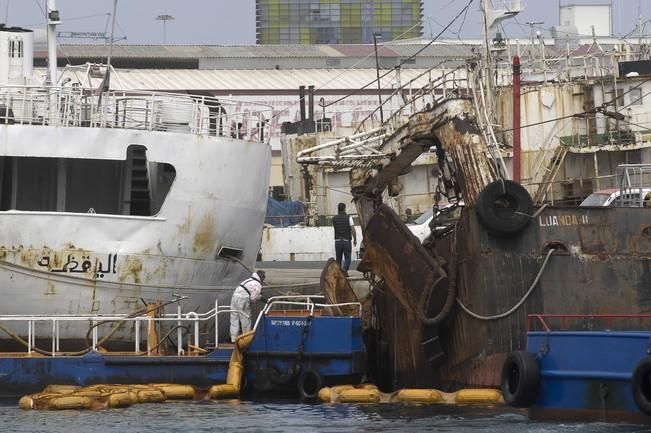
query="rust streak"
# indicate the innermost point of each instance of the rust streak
(204, 237)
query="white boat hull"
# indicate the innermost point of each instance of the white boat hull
(90, 263)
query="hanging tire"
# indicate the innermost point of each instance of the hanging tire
(641, 385)
(309, 383)
(504, 208)
(520, 379)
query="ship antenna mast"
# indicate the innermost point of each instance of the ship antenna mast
(106, 82)
(53, 18)
(493, 13)
(639, 29)
(110, 51)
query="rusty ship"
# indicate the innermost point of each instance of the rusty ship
(113, 198)
(521, 135)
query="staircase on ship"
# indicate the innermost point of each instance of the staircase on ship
(139, 186)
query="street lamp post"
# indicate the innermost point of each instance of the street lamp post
(164, 18)
(377, 70)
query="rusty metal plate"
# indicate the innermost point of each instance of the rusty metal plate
(394, 254)
(337, 290)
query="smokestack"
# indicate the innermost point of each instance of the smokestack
(311, 102)
(301, 95)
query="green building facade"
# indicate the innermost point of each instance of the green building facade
(336, 21)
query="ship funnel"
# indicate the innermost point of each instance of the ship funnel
(17, 52)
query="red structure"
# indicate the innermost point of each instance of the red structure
(516, 119)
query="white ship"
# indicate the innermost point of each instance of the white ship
(108, 199)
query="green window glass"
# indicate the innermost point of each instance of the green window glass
(336, 21)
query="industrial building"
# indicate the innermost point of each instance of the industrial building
(336, 21)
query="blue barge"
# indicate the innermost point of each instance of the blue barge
(305, 349)
(297, 345)
(20, 375)
(588, 368)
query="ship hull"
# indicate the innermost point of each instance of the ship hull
(57, 262)
(567, 260)
(601, 264)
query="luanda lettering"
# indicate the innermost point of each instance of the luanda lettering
(562, 220)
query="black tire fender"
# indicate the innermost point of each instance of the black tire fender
(520, 379)
(641, 385)
(309, 383)
(504, 208)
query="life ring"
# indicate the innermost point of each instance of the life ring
(520, 379)
(504, 208)
(641, 386)
(309, 383)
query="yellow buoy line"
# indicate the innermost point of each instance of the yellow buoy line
(62, 397)
(369, 393)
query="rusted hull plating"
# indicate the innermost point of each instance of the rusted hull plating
(601, 264)
(461, 139)
(412, 286)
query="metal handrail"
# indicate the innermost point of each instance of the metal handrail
(540, 318)
(290, 301)
(191, 318)
(363, 148)
(137, 110)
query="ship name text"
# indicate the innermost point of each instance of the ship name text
(562, 220)
(72, 265)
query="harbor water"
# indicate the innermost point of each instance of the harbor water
(284, 416)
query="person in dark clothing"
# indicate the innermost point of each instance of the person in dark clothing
(344, 232)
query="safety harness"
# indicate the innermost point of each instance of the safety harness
(246, 281)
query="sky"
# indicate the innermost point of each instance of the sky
(227, 22)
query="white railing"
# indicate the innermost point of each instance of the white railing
(181, 320)
(452, 81)
(145, 111)
(363, 149)
(304, 302)
(190, 320)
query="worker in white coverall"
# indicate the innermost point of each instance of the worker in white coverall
(249, 290)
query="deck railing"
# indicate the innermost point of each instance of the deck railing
(137, 110)
(303, 302)
(179, 320)
(562, 321)
(189, 320)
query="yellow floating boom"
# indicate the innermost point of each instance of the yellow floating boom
(371, 394)
(66, 397)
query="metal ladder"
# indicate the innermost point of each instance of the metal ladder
(551, 171)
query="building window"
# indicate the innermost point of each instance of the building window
(15, 48)
(337, 21)
(635, 96)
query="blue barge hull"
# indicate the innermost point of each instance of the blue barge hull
(588, 373)
(20, 375)
(286, 349)
(291, 349)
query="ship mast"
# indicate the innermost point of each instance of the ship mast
(493, 12)
(53, 18)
